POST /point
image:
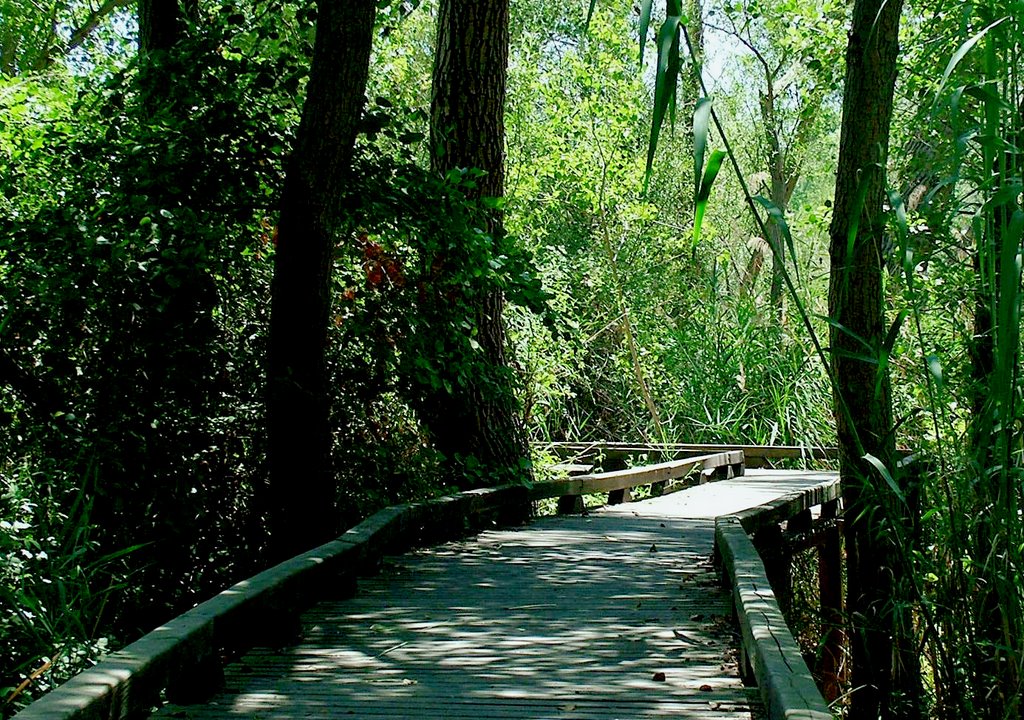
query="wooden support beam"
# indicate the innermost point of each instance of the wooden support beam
(617, 497)
(800, 523)
(830, 588)
(778, 563)
(614, 464)
(570, 505)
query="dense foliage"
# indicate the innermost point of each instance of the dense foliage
(139, 201)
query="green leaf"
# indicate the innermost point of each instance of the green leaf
(899, 217)
(645, 23)
(701, 118)
(869, 357)
(960, 53)
(665, 80)
(590, 13)
(1009, 302)
(776, 215)
(894, 331)
(886, 475)
(710, 173)
(885, 352)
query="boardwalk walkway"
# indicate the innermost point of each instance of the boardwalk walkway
(612, 615)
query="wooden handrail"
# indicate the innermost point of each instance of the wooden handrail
(637, 476)
(182, 658)
(770, 652)
(756, 455)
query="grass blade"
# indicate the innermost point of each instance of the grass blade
(961, 52)
(710, 173)
(779, 218)
(701, 119)
(645, 24)
(886, 475)
(664, 84)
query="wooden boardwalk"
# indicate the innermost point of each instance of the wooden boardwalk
(617, 614)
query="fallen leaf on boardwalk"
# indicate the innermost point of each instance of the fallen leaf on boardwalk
(706, 688)
(566, 708)
(659, 677)
(654, 548)
(686, 639)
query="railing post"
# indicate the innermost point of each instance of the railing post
(570, 505)
(771, 546)
(830, 588)
(611, 464)
(739, 469)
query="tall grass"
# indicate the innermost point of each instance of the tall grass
(968, 572)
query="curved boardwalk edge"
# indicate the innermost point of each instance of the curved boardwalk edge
(787, 688)
(182, 658)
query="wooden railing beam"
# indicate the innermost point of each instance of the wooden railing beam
(722, 463)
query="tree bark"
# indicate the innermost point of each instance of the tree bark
(302, 489)
(468, 131)
(882, 687)
(778, 191)
(162, 23)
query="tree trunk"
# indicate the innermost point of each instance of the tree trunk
(882, 687)
(162, 23)
(302, 490)
(467, 130)
(778, 192)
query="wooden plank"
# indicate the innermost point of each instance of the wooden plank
(570, 468)
(262, 608)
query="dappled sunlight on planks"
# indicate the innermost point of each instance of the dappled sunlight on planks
(613, 615)
(585, 617)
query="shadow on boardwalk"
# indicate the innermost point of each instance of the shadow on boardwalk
(613, 615)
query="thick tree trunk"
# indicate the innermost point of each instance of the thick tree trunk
(882, 686)
(468, 131)
(302, 490)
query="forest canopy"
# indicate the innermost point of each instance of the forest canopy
(267, 266)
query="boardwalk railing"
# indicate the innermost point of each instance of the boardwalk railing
(661, 478)
(181, 660)
(770, 654)
(756, 456)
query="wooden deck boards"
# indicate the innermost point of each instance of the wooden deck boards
(613, 615)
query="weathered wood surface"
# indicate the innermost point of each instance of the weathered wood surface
(613, 615)
(773, 655)
(756, 455)
(636, 476)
